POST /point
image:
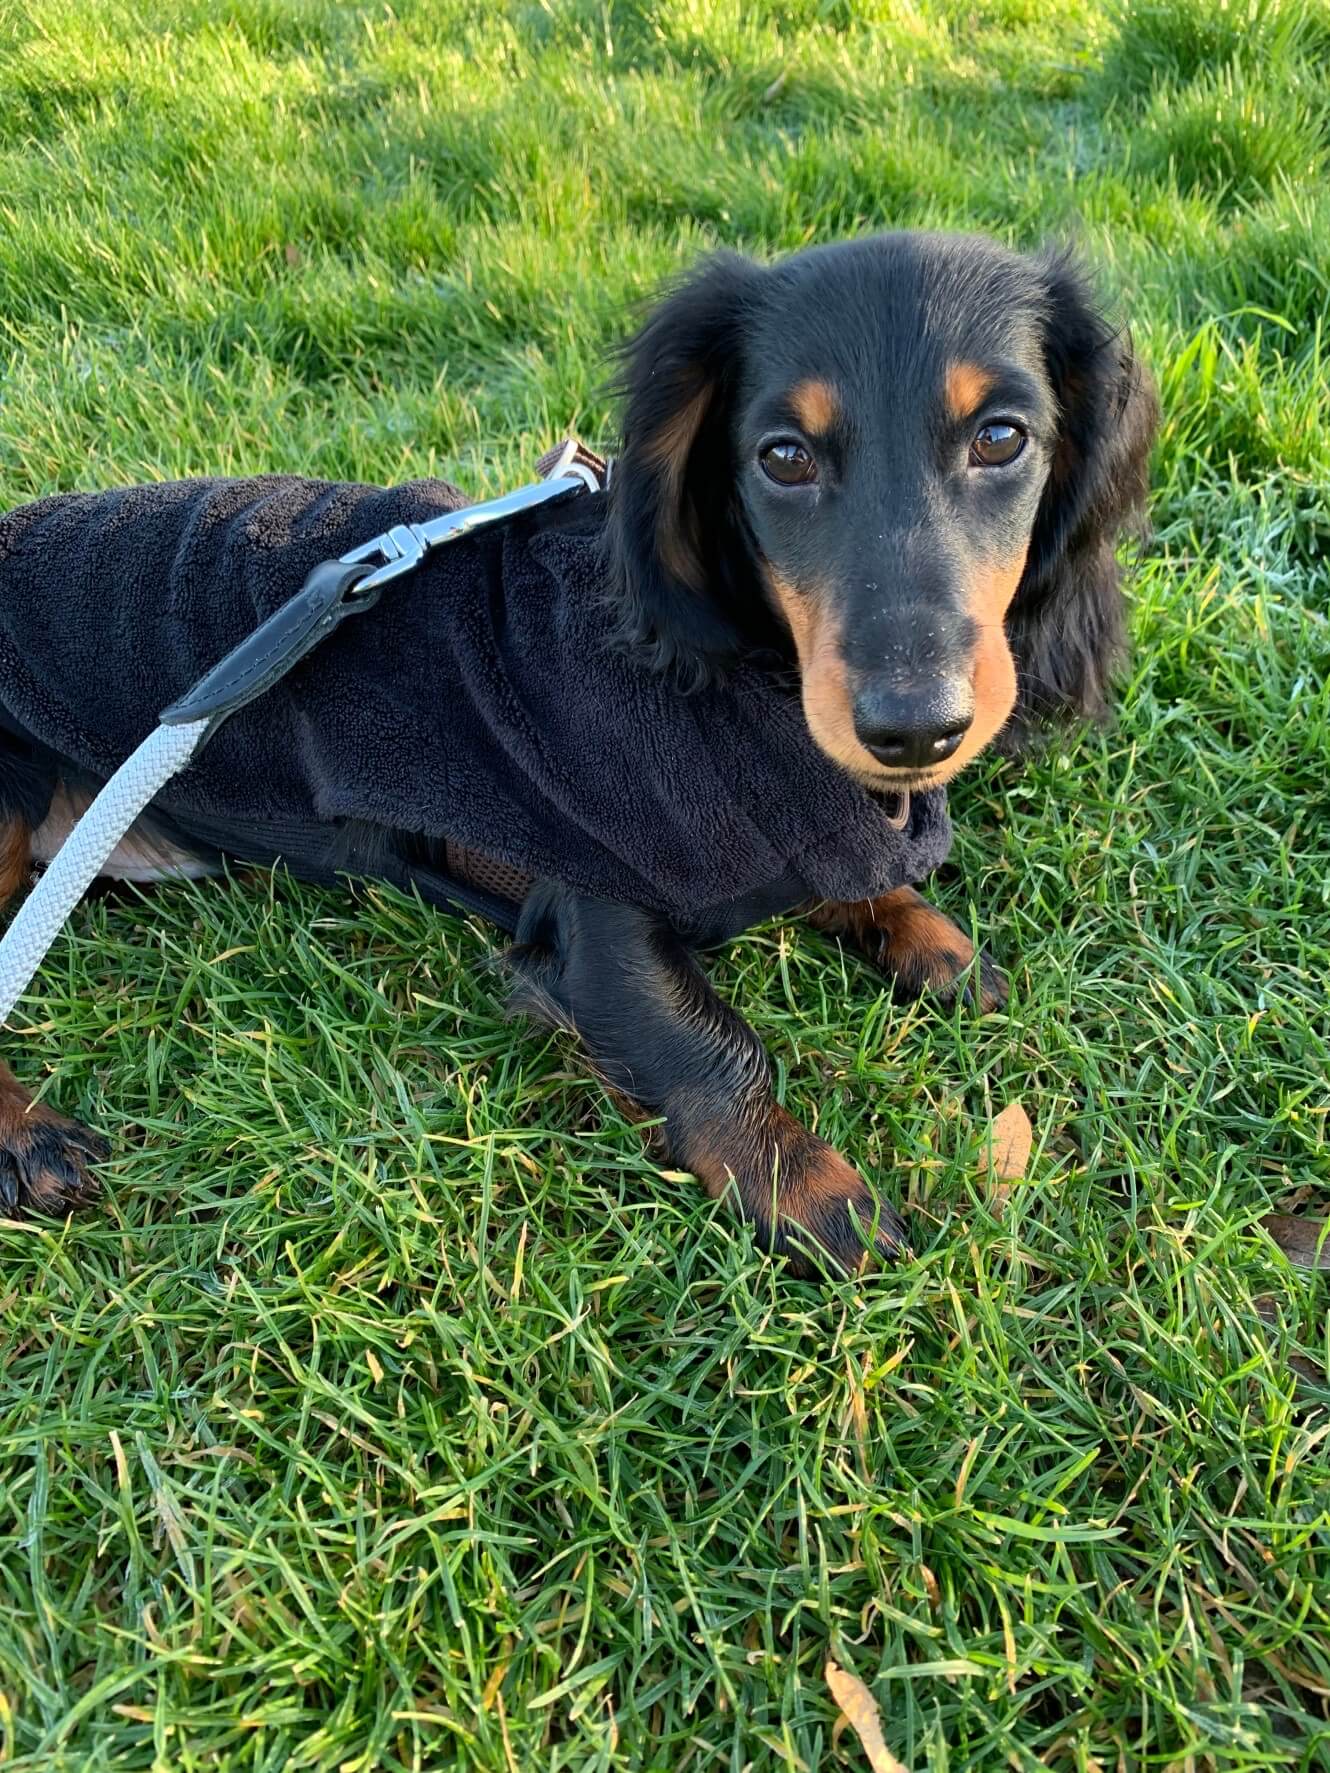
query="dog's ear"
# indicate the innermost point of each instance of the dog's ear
(1067, 623)
(672, 522)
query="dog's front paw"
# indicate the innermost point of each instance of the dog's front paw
(44, 1159)
(804, 1201)
(946, 973)
(918, 948)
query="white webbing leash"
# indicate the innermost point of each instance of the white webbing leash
(334, 590)
(42, 914)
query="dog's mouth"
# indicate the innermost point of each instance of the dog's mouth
(901, 783)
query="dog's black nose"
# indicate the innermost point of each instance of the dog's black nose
(911, 729)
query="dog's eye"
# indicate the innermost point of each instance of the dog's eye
(997, 444)
(788, 464)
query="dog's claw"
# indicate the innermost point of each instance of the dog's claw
(985, 986)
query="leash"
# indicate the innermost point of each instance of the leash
(334, 590)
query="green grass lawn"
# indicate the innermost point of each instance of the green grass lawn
(395, 1412)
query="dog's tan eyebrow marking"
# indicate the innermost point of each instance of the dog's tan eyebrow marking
(966, 386)
(816, 405)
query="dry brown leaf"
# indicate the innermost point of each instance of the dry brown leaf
(1007, 1155)
(1307, 1370)
(1304, 1241)
(860, 1708)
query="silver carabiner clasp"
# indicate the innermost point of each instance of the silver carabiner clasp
(398, 550)
(401, 549)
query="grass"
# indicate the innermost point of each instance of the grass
(394, 1413)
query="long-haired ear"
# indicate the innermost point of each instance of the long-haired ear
(1067, 621)
(671, 526)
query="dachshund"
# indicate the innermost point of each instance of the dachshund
(898, 469)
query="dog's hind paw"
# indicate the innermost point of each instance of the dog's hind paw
(44, 1159)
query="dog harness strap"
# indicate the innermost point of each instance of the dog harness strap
(333, 590)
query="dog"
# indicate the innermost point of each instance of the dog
(894, 471)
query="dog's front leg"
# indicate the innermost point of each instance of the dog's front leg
(659, 1035)
(914, 945)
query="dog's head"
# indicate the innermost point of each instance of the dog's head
(908, 460)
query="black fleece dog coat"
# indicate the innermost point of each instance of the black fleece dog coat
(478, 708)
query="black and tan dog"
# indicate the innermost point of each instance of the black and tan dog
(891, 472)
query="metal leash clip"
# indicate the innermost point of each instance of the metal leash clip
(401, 549)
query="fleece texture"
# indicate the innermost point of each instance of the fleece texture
(479, 702)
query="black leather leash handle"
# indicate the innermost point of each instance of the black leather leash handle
(264, 657)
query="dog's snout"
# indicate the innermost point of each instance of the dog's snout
(912, 729)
